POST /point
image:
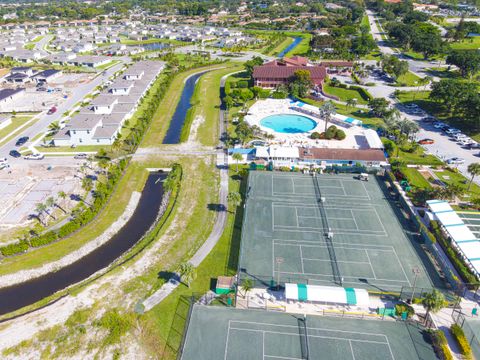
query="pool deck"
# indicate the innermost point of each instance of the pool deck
(355, 138)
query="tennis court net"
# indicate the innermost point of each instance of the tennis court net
(303, 333)
(327, 233)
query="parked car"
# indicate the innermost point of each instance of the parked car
(426, 141)
(411, 106)
(451, 131)
(36, 156)
(4, 166)
(474, 145)
(459, 136)
(465, 141)
(52, 110)
(429, 119)
(80, 156)
(14, 153)
(455, 160)
(22, 141)
(439, 125)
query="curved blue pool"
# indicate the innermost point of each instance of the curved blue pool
(288, 123)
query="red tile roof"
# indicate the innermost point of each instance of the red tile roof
(317, 73)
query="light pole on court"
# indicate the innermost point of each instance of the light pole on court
(278, 260)
(416, 272)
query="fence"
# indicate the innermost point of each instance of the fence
(469, 332)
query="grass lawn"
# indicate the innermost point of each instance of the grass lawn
(221, 261)
(281, 45)
(344, 94)
(12, 129)
(357, 113)
(134, 180)
(206, 104)
(455, 178)
(467, 44)
(302, 48)
(408, 79)
(107, 65)
(415, 178)
(166, 109)
(443, 73)
(151, 41)
(418, 157)
(77, 149)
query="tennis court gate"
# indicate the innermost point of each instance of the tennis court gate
(460, 319)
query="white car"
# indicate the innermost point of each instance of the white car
(452, 131)
(455, 160)
(459, 136)
(439, 125)
(36, 156)
(466, 141)
(411, 106)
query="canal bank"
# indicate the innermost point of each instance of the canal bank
(27, 293)
(290, 47)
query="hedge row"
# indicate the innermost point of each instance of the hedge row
(363, 93)
(453, 255)
(440, 344)
(462, 341)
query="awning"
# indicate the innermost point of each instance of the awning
(327, 294)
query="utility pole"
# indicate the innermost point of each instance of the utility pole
(416, 272)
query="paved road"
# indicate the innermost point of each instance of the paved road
(40, 45)
(45, 120)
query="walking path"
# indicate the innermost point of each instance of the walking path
(218, 227)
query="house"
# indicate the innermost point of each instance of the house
(8, 96)
(279, 72)
(25, 70)
(341, 157)
(90, 61)
(47, 76)
(17, 78)
(121, 87)
(103, 104)
(279, 156)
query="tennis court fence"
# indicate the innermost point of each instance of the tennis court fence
(471, 335)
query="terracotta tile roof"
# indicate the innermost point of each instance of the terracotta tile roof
(337, 63)
(317, 73)
(342, 154)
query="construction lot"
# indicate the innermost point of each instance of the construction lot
(29, 183)
(287, 219)
(255, 334)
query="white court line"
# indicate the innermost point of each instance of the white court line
(344, 276)
(366, 191)
(343, 188)
(381, 222)
(228, 339)
(338, 261)
(404, 273)
(306, 229)
(311, 336)
(281, 357)
(301, 259)
(346, 245)
(355, 221)
(370, 262)
(351, 349)
(296, 216)
(389, 348)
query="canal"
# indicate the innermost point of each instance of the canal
(178, 118)
(290, 47)
(17, 296)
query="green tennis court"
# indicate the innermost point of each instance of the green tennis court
(285, 226)
(254, 334)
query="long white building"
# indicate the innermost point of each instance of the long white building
(99, 122)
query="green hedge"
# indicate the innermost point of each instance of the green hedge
(402, 307)
(462, 341)
(441, 345)
(363, 93)
(13, 249)
(453, 255)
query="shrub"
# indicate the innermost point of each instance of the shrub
(115, 324)
(330, 133)
(462, 341)
(340, 134)
(279, 95)
(44, 239)
(284, 168)
(315, 135)
(363, 93)
(242, 84)
(402, 307)
(441, 345)
(16, 248)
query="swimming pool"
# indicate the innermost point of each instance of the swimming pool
(288, 123)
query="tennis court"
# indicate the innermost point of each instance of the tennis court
(472, 220)
(284, 235)
(235, 334)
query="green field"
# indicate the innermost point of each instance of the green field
(345, 94)
(468, 44)
(12, 130)
(408, 79)
(415, 178)
(455, 178)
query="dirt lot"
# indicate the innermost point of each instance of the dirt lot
(28, 184)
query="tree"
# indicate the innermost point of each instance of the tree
(250, 64)
(351, 103)
(54, 127)
(474, 170)
(427, 40)
(379, 106)
(234, 198)
(247, 285)
(187, 273)
(433, 302)
(87, 184)
(327, 110)
(467, 61)
(237, 157)
(453, 93)
(394, 66)
(228, 100)
(40, 208)
(300, 83)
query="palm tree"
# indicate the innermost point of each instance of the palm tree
(247, 285)
(61, 195)
(50, 202)
(40, 208)
(234, 198)
(327, 110)
(474, 170)
(237, 157)
(87, 184)
(187, 273)
(351, 103)
(54, 127)
(433, 302)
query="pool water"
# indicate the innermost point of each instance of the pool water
(288, 123)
